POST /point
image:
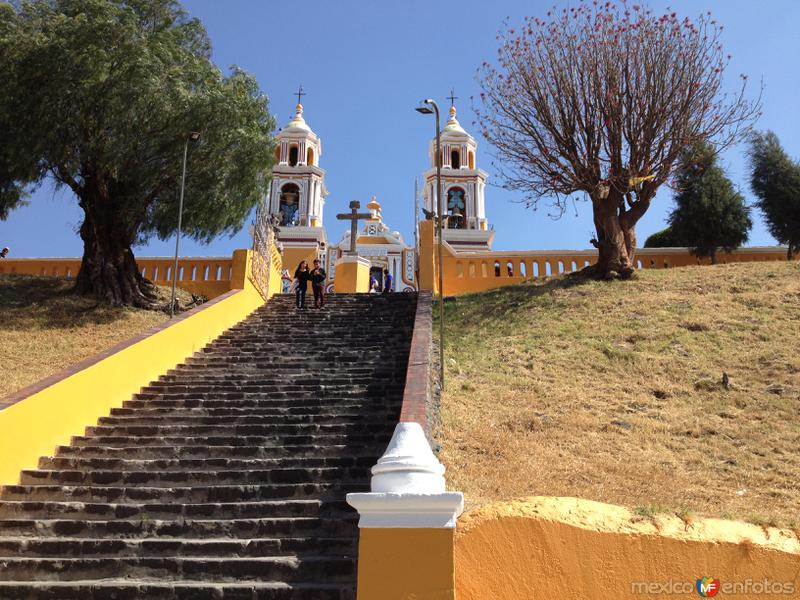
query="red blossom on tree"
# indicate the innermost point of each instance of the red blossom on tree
(602, 101)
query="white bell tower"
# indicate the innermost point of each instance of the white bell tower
(297, 195)
(463, 185)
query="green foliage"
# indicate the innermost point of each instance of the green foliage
(709, 213)
(775, 180)
(662, 239)
(100, 95)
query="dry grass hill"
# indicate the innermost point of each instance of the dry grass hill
(678, 391)
(44, 328)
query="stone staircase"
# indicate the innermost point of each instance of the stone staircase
(226, 478)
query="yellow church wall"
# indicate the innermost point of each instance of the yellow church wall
(209, 277)
(469, 272)
(545, 548)
(47, 414)
(293, 256)
(401, 564)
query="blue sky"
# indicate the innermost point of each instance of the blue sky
(366, 65)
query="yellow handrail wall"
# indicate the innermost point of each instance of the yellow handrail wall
(49, 413)
(206, 276)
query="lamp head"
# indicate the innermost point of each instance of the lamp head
(194, 136)
(424, 108)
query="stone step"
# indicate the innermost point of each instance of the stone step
(233, 440)
(186, 528)
(129, 463)
(125, 589)
(265, 429)
(282, 401)
(222, 510)
(329, 569)
(99, 547)
(184, 493)
(275, 412)
(363, 418)
(222, 451)
(183, 477)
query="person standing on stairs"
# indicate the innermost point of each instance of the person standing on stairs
(301, 278)
(388, 282)
(318, 284)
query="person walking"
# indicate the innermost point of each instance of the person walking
(318, 284)
(388, 282)
(301, 278)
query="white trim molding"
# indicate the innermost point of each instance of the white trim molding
(408, 487)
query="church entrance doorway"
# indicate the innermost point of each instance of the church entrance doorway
(377, 274)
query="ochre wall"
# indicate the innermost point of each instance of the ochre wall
(209, 277)
(475, 272)
(293, 256)
(47, 414)
(405, 564)
(545, 548)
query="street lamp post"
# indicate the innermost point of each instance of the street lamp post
(427, 107)
(192, 137)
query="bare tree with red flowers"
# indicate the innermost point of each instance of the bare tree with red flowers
(602, 98)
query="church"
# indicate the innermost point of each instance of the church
(298, 196)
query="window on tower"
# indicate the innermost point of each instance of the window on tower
(289, 207)
(455, 159)
(310, 157)
(456, 208)
(293, 154)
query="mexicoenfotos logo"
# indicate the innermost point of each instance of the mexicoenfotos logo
(708, 587)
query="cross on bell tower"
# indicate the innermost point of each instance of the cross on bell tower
(452, 97)
(300, 93)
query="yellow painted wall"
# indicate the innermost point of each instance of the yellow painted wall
(34, 426)
(293, 256)
(428, 275)
(405, 564)
(210, 277)
(547, 548)
(352, 277)
(468, 272)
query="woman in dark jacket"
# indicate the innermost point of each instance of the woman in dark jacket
(301, 278)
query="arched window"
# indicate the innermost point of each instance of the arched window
(471, 159)
(310, 157)
(288, 208)
(456, 208)
(278, 153)
(293, 155)
(455, 159)
(496, 269)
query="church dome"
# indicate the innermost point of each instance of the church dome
(452, 125)
(298, 123)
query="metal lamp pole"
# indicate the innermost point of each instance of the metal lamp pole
(425, 108)
(193, 137)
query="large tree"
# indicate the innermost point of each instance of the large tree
(601, 98)
(100, 96)
(709, 213)
(775, 180)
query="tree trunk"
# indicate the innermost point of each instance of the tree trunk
(108, 268)
(713, 256)
(616, 241)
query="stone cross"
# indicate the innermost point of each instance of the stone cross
(353, 216)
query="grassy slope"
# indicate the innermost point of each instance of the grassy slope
(613, 392)
(44, 328)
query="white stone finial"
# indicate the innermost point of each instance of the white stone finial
(408, 487)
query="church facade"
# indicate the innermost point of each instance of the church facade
(298, 196)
